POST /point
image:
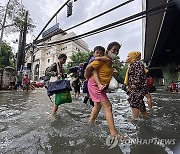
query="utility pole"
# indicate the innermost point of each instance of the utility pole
(19, 55)
(22, 44)
(3, 25)
(24, 38)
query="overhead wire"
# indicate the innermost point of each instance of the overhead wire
(121, 22)
(90, 19)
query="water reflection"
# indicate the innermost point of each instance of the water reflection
(25, 126)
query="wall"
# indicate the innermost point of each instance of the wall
(45, 55)
(7, 75)
(169, 75)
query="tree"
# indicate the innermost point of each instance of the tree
(121, 70)
(122, 73)
(15, 17)
(78, 57)
(6, 56)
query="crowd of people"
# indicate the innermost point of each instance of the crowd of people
(21, 81)
(95, 77)
(98, 73)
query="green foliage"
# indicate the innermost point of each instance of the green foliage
(121, 70)
(78, 57)
(122, 73)
(6, 56)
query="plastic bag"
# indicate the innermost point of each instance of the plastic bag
(53, 79)
(63, 97)
(113, 84)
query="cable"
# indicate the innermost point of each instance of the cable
(51, 19)
(114, 24)
(101, 14)
(121, 24)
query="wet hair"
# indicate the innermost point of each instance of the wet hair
(100, 48)
(62, 55)
(112, 44)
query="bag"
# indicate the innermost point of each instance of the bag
(53, 78)
(58, 86)
(113, 84)
(63, 97)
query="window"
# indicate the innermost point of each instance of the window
(48, 60)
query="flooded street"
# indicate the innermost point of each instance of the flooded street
(25, 126)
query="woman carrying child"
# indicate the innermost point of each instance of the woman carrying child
(98, 55)
(97, 91)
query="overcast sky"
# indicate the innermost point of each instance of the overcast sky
(129, 35)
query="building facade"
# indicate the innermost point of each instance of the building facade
(45, 55)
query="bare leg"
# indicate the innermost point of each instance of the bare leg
(109, 117)
(149, 100)
(54, 110)
(135, 113)
(145, 114)
(94, 112)
(96, 79)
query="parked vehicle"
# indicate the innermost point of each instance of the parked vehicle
(38, 84)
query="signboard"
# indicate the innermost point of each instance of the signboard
(50, 30)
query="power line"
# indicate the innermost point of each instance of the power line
(101, 14)
(121, 22)
(52, 19)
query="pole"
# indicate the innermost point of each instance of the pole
(32, 55)
(24, 39)
(3, 25)
(19, 55)
(22, 44)
(51, 19)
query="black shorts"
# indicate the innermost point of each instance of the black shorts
(77, 89)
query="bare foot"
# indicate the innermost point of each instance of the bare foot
(52, 117)
(91, 122)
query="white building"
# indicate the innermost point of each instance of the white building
(45, 55)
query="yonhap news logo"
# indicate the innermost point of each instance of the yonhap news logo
(112, 141)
